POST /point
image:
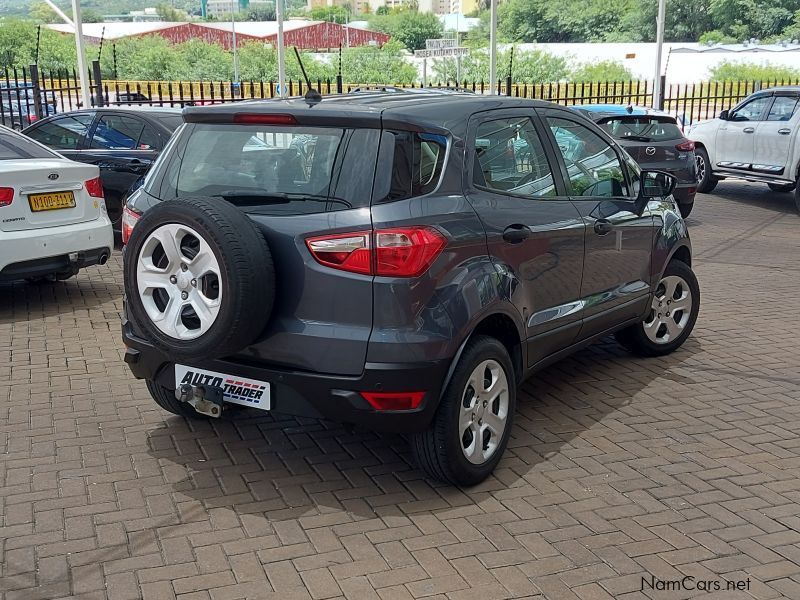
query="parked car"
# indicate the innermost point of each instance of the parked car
(404, 275)
(757, 140)
(53, 220)
(655, 140)
(123, 142)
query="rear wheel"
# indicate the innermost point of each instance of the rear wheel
(686, 209)
(781, 187)
(672, 314)
(706, 182)
(473, 421)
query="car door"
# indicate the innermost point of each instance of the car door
(776, 136)
(618, 232)
(66, 133)
(124, 147)
(534, 233)
(735, 143)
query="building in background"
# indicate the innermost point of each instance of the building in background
(218, 8)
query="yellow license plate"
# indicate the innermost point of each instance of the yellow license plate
(54, 201)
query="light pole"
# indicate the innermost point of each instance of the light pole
(658, 93)
(493, 48)
(281, 54)
(235, 55)
(76, 17)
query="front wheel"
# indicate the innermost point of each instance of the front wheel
(706, 182)
(673, 313)
(473, 421)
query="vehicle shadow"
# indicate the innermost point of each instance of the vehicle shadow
(286, 468)
(755, 195)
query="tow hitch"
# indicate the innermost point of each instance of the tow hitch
(205, 399)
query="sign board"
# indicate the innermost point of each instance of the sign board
(435, 44)
(441, 52)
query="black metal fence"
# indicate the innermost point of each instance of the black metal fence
(27, 95)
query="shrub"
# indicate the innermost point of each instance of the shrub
(606, 70)
(742, 71)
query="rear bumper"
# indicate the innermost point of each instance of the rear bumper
(36, 252)
(306, 394)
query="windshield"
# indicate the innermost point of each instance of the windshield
(14, 146)
(644, 128)
(275, 169)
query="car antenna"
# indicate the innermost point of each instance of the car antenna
(312, 96)
(630, 109)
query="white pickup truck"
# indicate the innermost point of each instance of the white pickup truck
(757, 140)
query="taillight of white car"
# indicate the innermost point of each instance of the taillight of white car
(129, 219)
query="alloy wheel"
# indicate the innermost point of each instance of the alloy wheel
(701, 167)
(484, 411)
(670, 311)
(179, 281)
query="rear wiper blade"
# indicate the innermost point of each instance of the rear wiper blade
(636, 138)
(276, 197)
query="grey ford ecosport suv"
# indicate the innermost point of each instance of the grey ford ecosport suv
(401, 262)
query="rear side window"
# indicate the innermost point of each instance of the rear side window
(783, 108)
(62, 133)
(411, 165)
(644, 128)
(15, 146)
(275, 169)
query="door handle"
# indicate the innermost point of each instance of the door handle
(603, 226)
(748, 130)
(784, 131)
(516, 233)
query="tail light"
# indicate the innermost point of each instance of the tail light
(397, 252)
(129, 219)
(6, 196)
(94, 187)
(394, 400)
(686, 146)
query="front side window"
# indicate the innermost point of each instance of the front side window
(510, 158)
(751, 111)
(275, 169)
(63, 133)
(783, 108)
(593, 166)
(117, 132)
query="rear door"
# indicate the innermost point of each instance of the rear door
(618, 233)
(735, 143)
(777, 135)
(534, 233)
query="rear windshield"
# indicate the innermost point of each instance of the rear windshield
(275, 169)
(642, 128)
(13, 147)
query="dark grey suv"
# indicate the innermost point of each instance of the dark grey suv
(401, 262)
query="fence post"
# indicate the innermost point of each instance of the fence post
(37, 92)
(508, 85)
(98, 81)
(663, 92)
(339, 84)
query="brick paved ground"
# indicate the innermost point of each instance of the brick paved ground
(618, 468)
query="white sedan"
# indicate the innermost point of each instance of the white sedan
(53, 218)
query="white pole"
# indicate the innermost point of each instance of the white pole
(424, 72)
(657, 91)
(493, 49)
(59, 12)
(76, 17)
(235, 55)
(281, 54)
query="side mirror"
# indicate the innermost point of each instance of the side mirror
(656, 184)
(724, 115)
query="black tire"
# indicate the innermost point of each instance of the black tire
(781, 187)
(635, 339)
(246, 269)
(166, 399)
(686, 209)
(797, 198)
(706, 182)
(439, 451)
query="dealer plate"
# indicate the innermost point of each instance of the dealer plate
(52, 201)
(236, 390)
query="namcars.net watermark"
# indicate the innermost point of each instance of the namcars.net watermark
(690, 583)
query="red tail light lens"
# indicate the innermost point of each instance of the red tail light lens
(400, 252)
(687, 146)
(129, 219)
(261, 119)
(6, 196)
(394, 400)
(94, 188)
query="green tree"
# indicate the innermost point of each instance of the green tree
(370, 64)
(331, 14)
(607, 70)
(535, 66)
(409, 27)
(41, 11)
(261, 14)
(168, 13)
(709, 38)
(739, 71)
